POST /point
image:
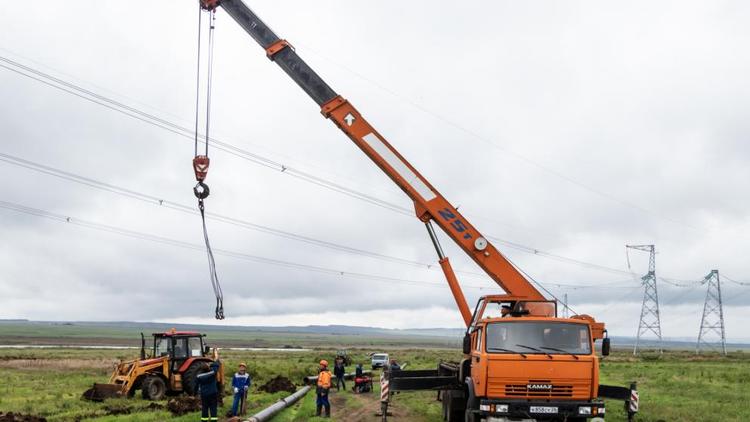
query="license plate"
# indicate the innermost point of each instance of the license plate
(543, 409)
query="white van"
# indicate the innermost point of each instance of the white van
(379, 360)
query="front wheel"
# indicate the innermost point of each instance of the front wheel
(153, 388)
(455, 405)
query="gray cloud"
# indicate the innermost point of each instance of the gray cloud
(646, 103)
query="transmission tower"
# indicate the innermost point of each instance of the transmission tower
(650, 320)
(565, 313)
(712, 321)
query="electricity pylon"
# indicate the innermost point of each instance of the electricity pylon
(650, 320)
(565, 313)
(712, 321)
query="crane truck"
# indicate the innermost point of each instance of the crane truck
(521, 361)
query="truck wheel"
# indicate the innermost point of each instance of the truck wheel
(455, 403)
(153, 388)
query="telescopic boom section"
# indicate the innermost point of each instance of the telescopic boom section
(429, 204)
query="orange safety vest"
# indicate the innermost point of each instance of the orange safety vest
(324, 379)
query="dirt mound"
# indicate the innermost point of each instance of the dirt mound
(17, 417)
(117, 410)
(155, 406)
(279, 383)
(184, 404)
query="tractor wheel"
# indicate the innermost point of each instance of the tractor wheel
(189, 378)
(153, 388)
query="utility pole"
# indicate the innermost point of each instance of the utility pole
(713, 315)
(565, 306)
(650, 320)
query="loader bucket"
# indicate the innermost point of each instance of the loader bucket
(99, 392)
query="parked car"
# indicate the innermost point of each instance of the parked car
(379, 360)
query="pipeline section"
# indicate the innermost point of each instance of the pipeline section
(269, 412)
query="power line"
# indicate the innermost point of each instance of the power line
(154, 200)
(158, 201)
(506, 150)
(186, 245)
(741, 283)
(188, 133)
(539, 252)
(682, 283)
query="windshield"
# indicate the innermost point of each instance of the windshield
(538, 337)
(162, 346)
(380, 357)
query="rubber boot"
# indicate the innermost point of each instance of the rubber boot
(328, 411)
(319, 408)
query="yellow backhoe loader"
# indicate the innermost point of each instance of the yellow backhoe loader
(170, 368)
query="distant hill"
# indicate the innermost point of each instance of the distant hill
(127, 332)
(309, 329)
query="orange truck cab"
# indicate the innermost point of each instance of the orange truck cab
(525, 363)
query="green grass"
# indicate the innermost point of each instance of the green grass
(673, 387)
(679, 386)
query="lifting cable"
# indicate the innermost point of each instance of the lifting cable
(201, 162)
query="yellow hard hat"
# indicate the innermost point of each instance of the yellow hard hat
(323, 362)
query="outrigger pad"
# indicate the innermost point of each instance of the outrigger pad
(100, 392)
(614, 392)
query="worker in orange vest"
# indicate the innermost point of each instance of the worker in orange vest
(324, 385)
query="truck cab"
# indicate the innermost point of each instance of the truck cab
(527, 363)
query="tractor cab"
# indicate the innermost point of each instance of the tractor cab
(179, 345)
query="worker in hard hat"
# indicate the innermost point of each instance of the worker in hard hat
(208, 387)
(241, 383)
(324, 385)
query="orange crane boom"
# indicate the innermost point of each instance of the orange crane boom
(430, 206)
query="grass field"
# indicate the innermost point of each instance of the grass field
(673, 387)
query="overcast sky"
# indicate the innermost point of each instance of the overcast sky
(570, 127)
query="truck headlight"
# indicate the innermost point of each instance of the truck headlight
(602, 410)
(484, 407)
(584, 410)
(501, 408)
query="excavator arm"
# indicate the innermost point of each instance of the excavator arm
(429, 204)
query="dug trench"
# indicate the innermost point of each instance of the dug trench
(17, 417)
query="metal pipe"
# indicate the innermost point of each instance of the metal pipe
(313, 379)
(269, 412)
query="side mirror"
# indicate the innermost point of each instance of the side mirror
(467, 344)
(605, 346)
(206, 350)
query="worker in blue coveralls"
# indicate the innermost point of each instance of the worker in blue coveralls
(206, 382)
(241, 383)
